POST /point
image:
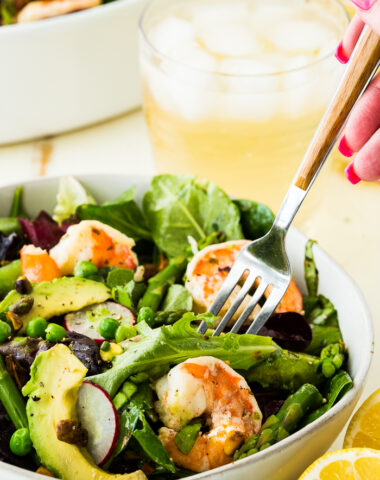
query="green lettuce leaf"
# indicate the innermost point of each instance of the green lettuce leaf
(70, 195)
(122, 214)
(177, 298)
(173, 344)
(323, 336)
(152, 445)
(256, 218)
(178, 207)
(127, 420)
(318, 309)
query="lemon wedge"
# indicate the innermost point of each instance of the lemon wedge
(348, 464)
(364, 428)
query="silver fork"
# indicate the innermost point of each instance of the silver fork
(265, 260)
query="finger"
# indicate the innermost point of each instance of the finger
(347, 45)
(367, 162)
(363, 121)
(371, 15)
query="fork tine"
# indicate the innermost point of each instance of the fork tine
(235, 304)
(221, 297)
(251, 305)
(268, 308)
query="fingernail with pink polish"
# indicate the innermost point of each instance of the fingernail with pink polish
(339, 54)
(364, 4)
(351, 175)
(344, 148)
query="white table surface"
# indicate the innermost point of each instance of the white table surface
(347, 226)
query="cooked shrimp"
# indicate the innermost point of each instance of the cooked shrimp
(37, 265)
(208, 387)
(209, 268)
(292, 301)
(95, 241)
(40, 10)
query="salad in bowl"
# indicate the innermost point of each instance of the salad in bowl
(102, 371)
(16, 11)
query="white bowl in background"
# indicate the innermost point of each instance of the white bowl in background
(287, 459)
(69, 71)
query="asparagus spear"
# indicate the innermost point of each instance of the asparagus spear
(279, 426)
(154, 296)
(158, 284)
(9, 225)
(338, 386)
(8, 275)
(285, 370)
(311, 271)
(212, 239)
(332, 359)
(11, 398)
(17, 209)
(168, 317)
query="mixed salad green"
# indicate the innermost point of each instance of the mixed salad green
(96, 319)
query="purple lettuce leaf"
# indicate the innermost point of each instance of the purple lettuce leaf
(290, 330)
(43, 231)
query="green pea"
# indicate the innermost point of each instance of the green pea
(107, 327)
(36, 327)
(20, 442)
(5, 331)
(85, 269)
(55, 333)
(120, 400)
(124, 332)
(105, 347)
(146, 314)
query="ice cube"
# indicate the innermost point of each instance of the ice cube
(300, 82)
(170, 34)
(249, 75)
(229, 39)
(301, 36)
(298, 71)
(257, 107)
(265, 17)
(210, 13)
(188, 101)
(193, 56)
(328, 48)
(156, 82)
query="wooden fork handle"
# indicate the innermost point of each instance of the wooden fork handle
(359, 70)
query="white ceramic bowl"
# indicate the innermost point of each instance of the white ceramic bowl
(69, 71)
(287, 459)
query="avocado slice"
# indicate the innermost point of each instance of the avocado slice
(56, 376)
(62, 295)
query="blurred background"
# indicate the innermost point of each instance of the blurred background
(232, 90)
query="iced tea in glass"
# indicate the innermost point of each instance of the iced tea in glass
(234, 90)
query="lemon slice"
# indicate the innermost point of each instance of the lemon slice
(364, 428)
(349, 464)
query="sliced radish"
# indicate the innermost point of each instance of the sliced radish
(98, 416)
(86, 321)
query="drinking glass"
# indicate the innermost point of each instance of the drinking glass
(234, 90)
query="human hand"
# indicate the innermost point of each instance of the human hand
(362, 132)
